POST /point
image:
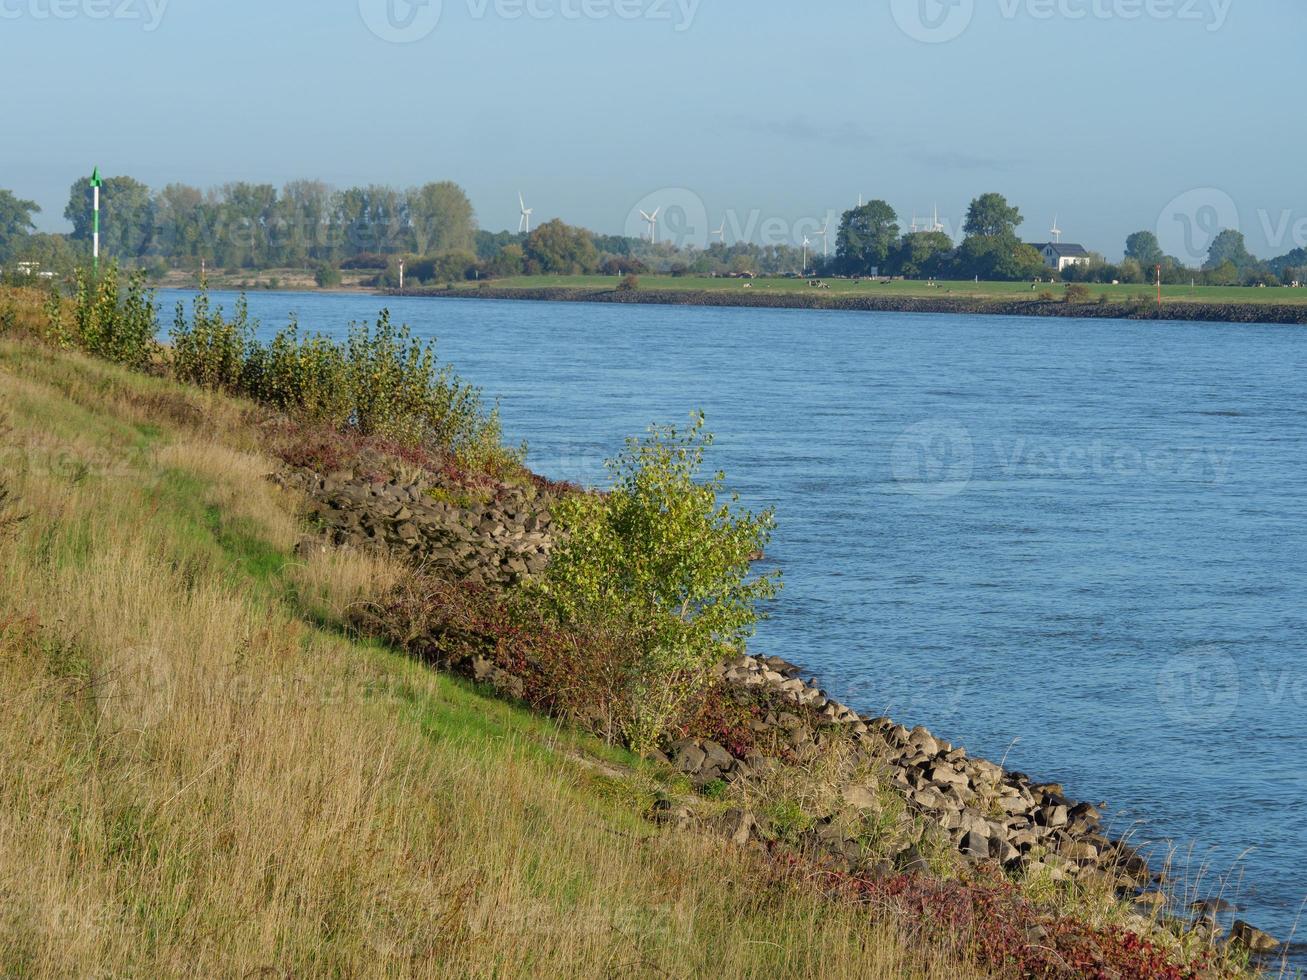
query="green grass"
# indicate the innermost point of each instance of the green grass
(205, 774)
(1124, 293)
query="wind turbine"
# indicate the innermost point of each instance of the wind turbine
(825, 238)
(806, 244)
(653, 225)
(720, 233)
(1056, 232)
(524, 225)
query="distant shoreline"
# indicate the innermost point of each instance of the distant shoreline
(1173, 311)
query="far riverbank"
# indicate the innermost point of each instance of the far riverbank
(816, 300)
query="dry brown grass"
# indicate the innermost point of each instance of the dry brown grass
(200, 776)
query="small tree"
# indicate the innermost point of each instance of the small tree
(327, 276)
(664, 558)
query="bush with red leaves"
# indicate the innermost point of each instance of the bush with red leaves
(991, 923)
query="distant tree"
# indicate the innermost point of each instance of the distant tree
(247, 228)
(990, 216)
(489, 244)
(327, 276)
(621, 265)
(999, 258)
(867, 236)
(126, 216)
(559, 249)
(1229, 246)
(1144, 248)
(741, 264)
(922, 253)
(1225, 274)
(52, 253)
(15, 222)
(183, 225)
(301, 229)
(1132, 271)
(442, 219)
(510, 261)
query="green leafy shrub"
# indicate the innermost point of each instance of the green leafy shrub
(304, 377)
(381, 382)
(663, 558)
(210, 350)
(105, 321)
(326, 276)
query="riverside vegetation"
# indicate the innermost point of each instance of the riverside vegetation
(215, 758)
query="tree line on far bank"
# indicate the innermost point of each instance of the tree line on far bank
(243, 227)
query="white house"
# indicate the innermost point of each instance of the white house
(1059, 255)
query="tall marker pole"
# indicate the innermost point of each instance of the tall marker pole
(96, 184)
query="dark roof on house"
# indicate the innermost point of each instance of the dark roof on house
(1064, 249)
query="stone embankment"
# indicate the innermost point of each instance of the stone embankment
(983, 812)
(986, 812)
(500, 540)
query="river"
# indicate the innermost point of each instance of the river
(1075, 546)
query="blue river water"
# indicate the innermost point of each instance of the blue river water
(1077, 547)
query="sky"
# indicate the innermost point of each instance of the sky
(1176, 116)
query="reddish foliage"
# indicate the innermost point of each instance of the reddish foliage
(989, 921)
(324, 450)
(568, 672)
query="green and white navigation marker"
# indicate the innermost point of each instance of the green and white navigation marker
(96, 184)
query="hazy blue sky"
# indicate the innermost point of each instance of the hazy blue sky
(1104, 112)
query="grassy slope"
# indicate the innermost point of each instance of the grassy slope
(200, 775)
(916, 288)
